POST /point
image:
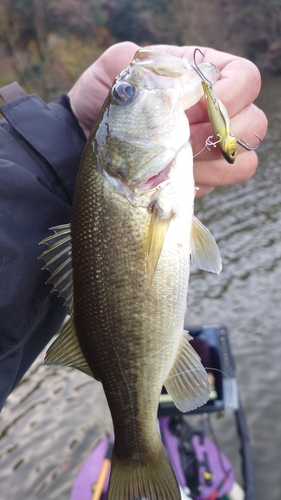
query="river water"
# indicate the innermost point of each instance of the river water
(52, 420)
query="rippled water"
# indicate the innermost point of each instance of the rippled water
(51, 421)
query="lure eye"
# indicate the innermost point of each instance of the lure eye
(123, 91)
(232, 153)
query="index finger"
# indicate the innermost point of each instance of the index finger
(238, 86)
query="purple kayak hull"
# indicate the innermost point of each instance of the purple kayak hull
(84, 483)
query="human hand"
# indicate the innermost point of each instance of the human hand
(237, 88)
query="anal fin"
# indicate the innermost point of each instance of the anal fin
(188, 382)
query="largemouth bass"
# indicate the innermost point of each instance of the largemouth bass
(123, 265)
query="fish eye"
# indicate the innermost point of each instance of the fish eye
(123, 91)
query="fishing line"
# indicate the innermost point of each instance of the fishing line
(209, 144)
(214, 438)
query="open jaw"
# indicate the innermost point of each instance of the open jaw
(155, 180)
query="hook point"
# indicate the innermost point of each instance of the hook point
(247, 146)
(198, 70)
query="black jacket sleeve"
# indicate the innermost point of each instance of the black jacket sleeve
(40, 151)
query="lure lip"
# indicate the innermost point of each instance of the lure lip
(244, 144)
(228, 158)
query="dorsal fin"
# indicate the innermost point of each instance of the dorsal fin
(58, 258)
(66, 350)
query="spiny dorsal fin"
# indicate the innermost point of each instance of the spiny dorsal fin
(58, 259)
(204, 250)
(65, 350)
(155, 240)
(188, 382)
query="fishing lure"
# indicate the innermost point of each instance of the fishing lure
(220, 121)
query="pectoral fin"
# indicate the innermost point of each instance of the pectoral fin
(188, 382)
(204, 250)
(65, 350)
(155, 240)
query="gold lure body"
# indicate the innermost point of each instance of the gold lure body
(220, 122)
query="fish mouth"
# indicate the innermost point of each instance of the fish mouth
(155, 180)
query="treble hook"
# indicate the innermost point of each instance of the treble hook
(247, 146)
(198, 70)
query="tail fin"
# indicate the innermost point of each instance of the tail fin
(152, 480)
